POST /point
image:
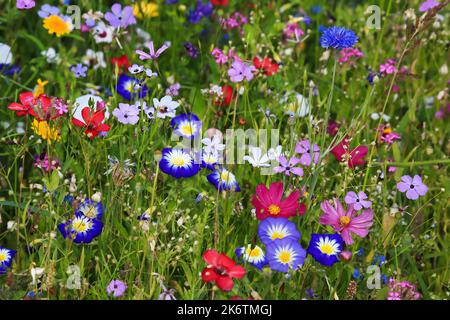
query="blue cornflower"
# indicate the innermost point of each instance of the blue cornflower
(201, 10)
(285, 254)
(186, 125)
(81, 229)
(178, 163)
(89, 208)
(223, 179)
(79, 70)
(325, 248)
(316, 9)
(253, 255)
(6, 257)
(271, 229)
(130, 88)
(338, 38)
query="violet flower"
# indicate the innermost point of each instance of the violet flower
(120, 18)
(240, 71)
(414, 187)
(304, 149)
(357, 200)
(289, 167)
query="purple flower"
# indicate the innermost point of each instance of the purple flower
(239, 71)
(304, 148)
(116, 288)
(357, 200)
(428, 5)
(414, 187)
(120, 18)
(192, 51)
(126, 114)
(25, 4)
(48, 10)
(289, 167)
(173, 90)
(79, 70)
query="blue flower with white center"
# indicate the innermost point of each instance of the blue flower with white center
(187, 125)
(223, 179)
(325, 248)
(178, 163)
(6, 257)
(271, 229)
(285, 254)
(130, 88)
(81, 229)
(91, 209)
(210, 160)
(253, 255)
(338, 38)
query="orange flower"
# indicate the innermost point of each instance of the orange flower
(55, 24)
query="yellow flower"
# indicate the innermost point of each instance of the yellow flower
(43, 129)
(55, 24)
(39, 88)
(145, 9)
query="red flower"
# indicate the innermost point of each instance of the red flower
(221, 270)
(353, 158)
(269, 203)
(269, 67)
(122, 63)
(219, 2)
(40, 107)
(92, 122)
(227, 92)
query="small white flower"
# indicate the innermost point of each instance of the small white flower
(149, 73)
(213, 145)
(94, 59)
(258, 159)
(136, 69)
(6, 56)
(166, 107)
(51, 55)
(275, 153)
(103, 33)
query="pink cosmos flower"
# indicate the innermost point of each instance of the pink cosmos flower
(346, 222)
(414, 187)
(288, 167)
(269, 203)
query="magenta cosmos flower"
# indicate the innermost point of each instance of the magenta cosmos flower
(116, 288)
(289, 167)
(357, 200)
(414, 187)
(304, 149)
(346, 222)
(240, 71)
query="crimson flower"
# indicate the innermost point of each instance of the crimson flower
(40, 107)
(219, 2)
(266, 65)
(227, 96)
(269, 203)
(354, 158)
(221, 270)
(92, 122)
(122, 63)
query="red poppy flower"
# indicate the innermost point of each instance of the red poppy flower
(219, 2)
(39, 107)
(269, 203)
(227, 92)
(354, 158)
(221, 270)
(122, 63)
(92, 122)
(269, 67)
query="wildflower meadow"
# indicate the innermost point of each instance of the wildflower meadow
(224, 150)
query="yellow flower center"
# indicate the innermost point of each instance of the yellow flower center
(253, 253)
(274, 209)
(224, 176)
(179, 161)
(2, 257)
(277, 235)
(55, 24)
(80, 226)
(327, 249)
(187, 130)
(345, 221)
(285, 256)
